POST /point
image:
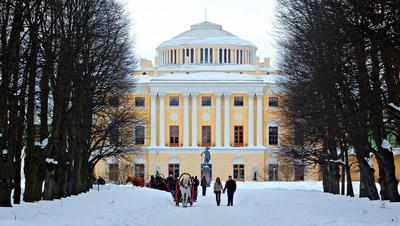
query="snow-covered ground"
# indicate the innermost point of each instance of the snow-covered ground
(255, 204)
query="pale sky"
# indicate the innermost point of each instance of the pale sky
(155, 21)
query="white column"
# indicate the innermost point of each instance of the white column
(227, 118)
(250, 136)
(185, 120)
(217, 60)
(194, 120)
(162, 120)
(259, 120)
(218, 120)
(153, 120)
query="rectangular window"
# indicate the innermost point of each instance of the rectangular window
(273, 135)
(238, 136)
(192, 56)
(220, 56)
(299, 172)
(211, 56)
(139, 134)
(174, 136)
(229, 56)
(273, 101)
(237, 56)
(174, 101)
(225, 55)
(173, 170)
(238, 101)
(139, 170)
(238, 172)
(273, 172)
(139, 102)
(113, 170)
(206, 136)
(114, 136)
(206, 101)
(206, 55)
(201, 56)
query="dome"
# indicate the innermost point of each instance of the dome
(206, 33)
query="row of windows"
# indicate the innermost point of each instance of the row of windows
(238, 137)
(238, 171)
(206, 101)
(206, 56)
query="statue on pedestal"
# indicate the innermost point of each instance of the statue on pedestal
(206, 170)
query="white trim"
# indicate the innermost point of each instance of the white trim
(239, 161)
(139, 160)
(174, 160)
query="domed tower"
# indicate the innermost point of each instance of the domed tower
(206, 43)
(206, 47)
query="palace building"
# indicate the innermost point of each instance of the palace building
(207, 88)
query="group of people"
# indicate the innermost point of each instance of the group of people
(230, 188)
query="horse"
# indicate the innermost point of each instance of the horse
(185, 186)
(138, 182)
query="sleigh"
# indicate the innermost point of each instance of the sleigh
(178, 193)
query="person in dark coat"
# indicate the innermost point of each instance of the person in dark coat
(171, 183)
(230, 185)
(204, 185)
(101, 181)
(196, 185)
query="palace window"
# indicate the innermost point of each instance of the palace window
(202, 56)
(273, 101)
(139, 102)
(238, 136)
(273, 172)
(206, 136)
(173, 170)
(273, 135)
(113, 170)
(241, 56)
(139, 170)
(237, 56)
(174, 101)
(238, 172)
(175, 56)
(299, 172)
(206, 101)
(174, 136)
(220, 56)
(229, 56)
(191, 56)
(238, 101)
(206, 55)
(139, 134)
(225, 55)
(211, 56)
(115, 136)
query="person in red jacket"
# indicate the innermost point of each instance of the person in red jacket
(230, 185)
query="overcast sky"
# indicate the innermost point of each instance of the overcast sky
(155, 21)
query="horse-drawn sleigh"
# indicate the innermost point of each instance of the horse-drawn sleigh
(185, 190)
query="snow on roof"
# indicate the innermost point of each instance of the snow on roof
(229, 67)
(206, 33)
(209, 76)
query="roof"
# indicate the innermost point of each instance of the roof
(203, 77)
(206, 33)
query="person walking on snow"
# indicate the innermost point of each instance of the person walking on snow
(230, 185)
(217, 190)
(204, 184)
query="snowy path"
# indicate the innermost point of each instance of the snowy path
(256, 204)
